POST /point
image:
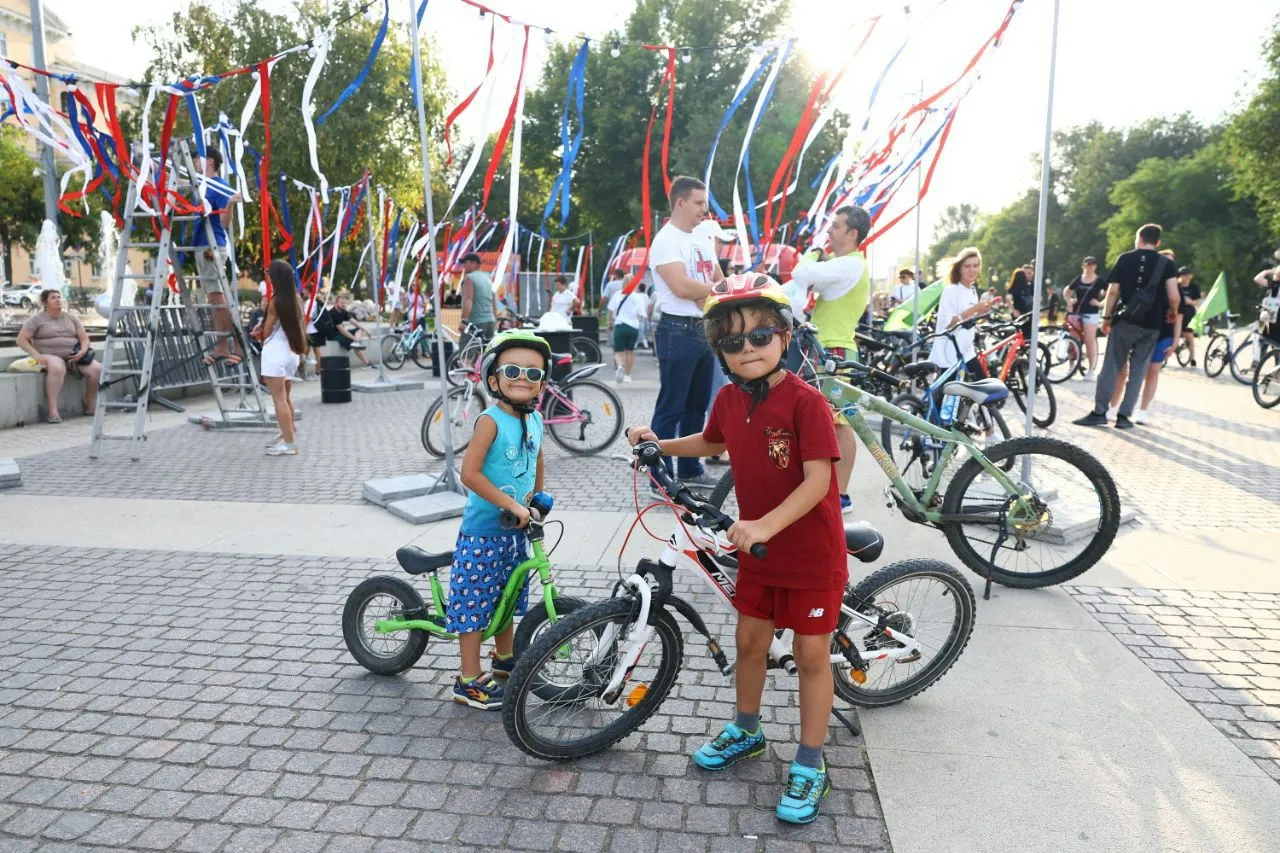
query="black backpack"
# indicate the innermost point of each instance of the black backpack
(1139, 305)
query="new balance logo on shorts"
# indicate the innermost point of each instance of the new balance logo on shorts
(815, 612)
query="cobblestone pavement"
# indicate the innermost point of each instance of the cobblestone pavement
(1219, 650)
(190, 702)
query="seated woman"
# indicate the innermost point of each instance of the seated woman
(57, 339)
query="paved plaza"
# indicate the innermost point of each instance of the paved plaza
(173, 675)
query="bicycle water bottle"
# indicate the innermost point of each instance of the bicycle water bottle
(948, 413)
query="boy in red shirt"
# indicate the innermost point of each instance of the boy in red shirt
(782, 447)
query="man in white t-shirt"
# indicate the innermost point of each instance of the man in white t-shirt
(626, 312)
(684, 267)
(905, 289)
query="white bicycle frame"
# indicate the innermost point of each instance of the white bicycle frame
(693, 548)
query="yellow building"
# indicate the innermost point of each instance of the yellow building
(16, 44)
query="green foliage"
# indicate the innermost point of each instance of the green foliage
(376, 129)
(1252, 141)
(954, 231)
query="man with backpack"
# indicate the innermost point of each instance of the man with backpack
(1142, 291)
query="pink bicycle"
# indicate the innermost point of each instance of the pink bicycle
(582, 416)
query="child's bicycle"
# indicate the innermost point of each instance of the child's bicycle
(598, 674)
(386, 623)
(407, 341)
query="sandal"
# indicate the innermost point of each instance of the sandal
(54, 419)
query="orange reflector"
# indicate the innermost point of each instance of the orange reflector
(858, 675)
(608, 410)
(637, 694)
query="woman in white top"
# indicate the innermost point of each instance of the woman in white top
(960, 302)
(564, 301)
(283, 343)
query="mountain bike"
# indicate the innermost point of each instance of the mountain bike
(386, 624)
(596, 676)
(582, 416)
(1007, 361)
(412, 343)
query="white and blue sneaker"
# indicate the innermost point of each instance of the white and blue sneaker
(729, 747)
(805, 789)
(846, 505)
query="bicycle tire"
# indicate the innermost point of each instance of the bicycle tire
(865, 594)
(584, 350)
(527, 630)
(523, 681)
(1242, 371)
(436, 447)
(353, 618)
(1268, 371)
(392, 352)
(1216, 355)
(1182, 353)
(421, 357)
(1019, 391)
(563, 433)
(722, 489)
(453, 371)
(1099, 478)
(1061, 370)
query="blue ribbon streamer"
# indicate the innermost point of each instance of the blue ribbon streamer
(752, 216)
(574, 92)
(368, 63)
(724, 122)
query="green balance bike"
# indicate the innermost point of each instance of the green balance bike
(386, 623)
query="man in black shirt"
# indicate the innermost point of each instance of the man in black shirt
(1189, 292)
(1132, 339)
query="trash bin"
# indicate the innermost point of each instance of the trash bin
(559, 342)
(335, 379)
(587, 326)
(448, 354)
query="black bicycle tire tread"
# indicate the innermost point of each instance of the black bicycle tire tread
(894, 571)
(438, 452)
(721, 490)
(1021, 580)
(565, 604)
(886, 424)
(1049, 376)
(617, 424)
(390, 358)
(417, 639)
(572, 624)
(1271, 354)
(1226, 355)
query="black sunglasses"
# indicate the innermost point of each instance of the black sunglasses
(758, 338)
(513, 372)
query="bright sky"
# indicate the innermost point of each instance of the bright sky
(1117, 63)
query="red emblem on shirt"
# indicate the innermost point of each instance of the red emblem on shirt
(779, 447)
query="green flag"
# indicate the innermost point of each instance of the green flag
(1213, 305)
(900, 319)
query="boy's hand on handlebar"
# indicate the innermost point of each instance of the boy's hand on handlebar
(637, 434)
(746, 534)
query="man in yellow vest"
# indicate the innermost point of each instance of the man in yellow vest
(842, 288)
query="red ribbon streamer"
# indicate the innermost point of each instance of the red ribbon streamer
(501, 144)
(646, 204)
(466, 102)
(264, 166)
(924, 186)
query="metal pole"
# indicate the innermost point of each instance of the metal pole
(915, 273)
(449, 479)
(1041, 221)
(42, 89)
(373, 240)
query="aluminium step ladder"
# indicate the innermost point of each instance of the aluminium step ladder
(241, 400)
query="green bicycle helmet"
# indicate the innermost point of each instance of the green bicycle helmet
(513, 339)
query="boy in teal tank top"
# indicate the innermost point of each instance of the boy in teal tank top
(502, 469)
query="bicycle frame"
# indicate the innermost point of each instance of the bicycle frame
(1012, 345)
(503, 614)
(694, 549)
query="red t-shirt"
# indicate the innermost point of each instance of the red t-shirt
(792, 426)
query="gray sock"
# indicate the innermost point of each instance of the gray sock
(809, 756)
(749, 723)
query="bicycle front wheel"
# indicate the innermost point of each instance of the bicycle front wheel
(554, 708)
(464, 405)
(1243, 361)
(392, 352)
(1182, 354)
(924, 599)
(1060, 359)
(1046, 402)
(1266, 380)
(1063, 520)
(587, 421)
(584, 350)
(1216, 355)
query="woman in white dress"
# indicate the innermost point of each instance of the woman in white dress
(283, 345)
(960, 302)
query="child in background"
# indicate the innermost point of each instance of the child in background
(503, 469)
(782, 446)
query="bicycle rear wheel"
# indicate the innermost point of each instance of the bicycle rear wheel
(584, 350)
(1182, 354)
(1266, 380)
(1046, 402)
(553, 708)
(1060, 359)
(925, 599)
(1243, 361)
(464, 405)
(908, 447)
(1061, 529)
(420, 355)
(392, 352)
(1216, 355)
(591, 424)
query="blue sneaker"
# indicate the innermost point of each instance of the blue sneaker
(846, 505)
(501, 668)
(482, 692)
(805, 789)
(729, 747)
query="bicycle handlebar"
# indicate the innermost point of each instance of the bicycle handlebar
(649, 455)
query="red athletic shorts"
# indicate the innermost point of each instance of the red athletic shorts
(805, 611)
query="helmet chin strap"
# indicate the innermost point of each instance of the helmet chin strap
(757, 389)
(526, 408)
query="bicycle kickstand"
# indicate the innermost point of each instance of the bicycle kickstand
(1003, 535)
(848, 724)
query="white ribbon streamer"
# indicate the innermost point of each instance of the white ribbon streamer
(309, 108)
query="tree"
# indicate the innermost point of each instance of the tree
(1008, 239)
(21, 204)
(1251, 142)
(1204, 222)
(376, 129)
(954, 230)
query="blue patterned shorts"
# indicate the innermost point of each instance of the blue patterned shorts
(481, 567)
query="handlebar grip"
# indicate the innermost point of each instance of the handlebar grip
(759, 551)
(508, 520)
(895, 381)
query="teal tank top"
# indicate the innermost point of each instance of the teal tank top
(481, 298)
(509, 466)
